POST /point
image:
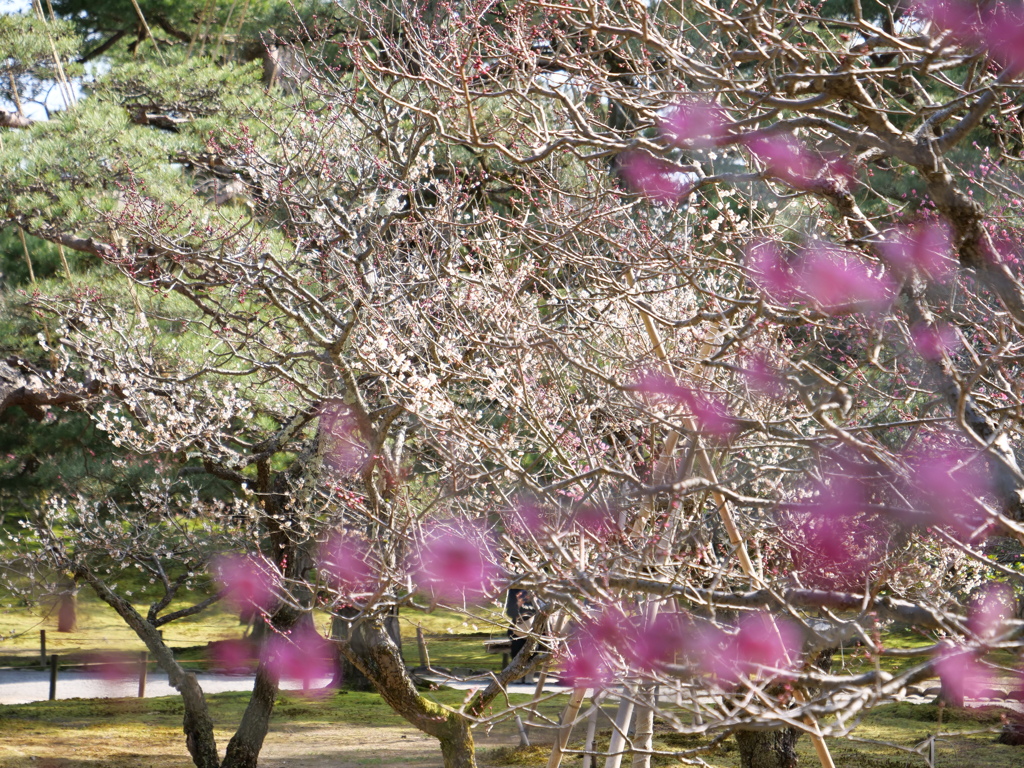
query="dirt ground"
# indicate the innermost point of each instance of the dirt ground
(288, 745)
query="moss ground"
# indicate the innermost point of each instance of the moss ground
(343, 729)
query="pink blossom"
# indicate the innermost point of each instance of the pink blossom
(927, 248)
(837, 281)
(770, 271)
(233, 656)
(344, 559)
(659, 180)
(989, 610)
(786, 159)
(456, 561)
(302, 656)
(944, 485)
(962, 675)
(761, 644)
(933, 341)
(249, 583)
(346, 451)
(694, 123)
(711, 416)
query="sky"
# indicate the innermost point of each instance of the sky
(54, 101)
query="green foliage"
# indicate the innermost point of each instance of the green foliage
(28, 45)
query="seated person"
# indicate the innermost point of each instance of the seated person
(521, 607)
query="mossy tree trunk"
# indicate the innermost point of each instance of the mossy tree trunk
(768, 749)
(380, 660)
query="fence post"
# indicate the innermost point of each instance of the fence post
(53, 677)
(143, 671)
(42, 648)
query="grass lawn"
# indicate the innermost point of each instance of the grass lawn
(453, 640)
(353, 728)
(349, 728)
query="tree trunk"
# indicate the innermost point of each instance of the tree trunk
(197, 723)
(380, 659)
(67, 610)
(347, 674)
(244, 747)
(1013, 732)
(950, 695)
(768, 749)
(457, 747)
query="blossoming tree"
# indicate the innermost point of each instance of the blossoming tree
(701, 321)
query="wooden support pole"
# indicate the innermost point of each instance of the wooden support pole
(53, 677)
(729, 523)
(421, 644)
(524, 737)
(42, 648)
(572, 709)
(588, 746)
(143, 672)
(541, 677)
(621, 729)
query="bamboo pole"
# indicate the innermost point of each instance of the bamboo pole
(729, 523)
(568, 719)
(617, 745)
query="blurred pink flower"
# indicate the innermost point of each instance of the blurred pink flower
(249, 583)
(961, 20)
(770, 271)
(653, 643)
(834, 539)
(711, 416)
(990, 610)
(837, 281)
(526, 517)
(608, 629)
(1003, 30)
(786, 159)
(456, 562)
(346, 450)
(694, 123)
(997, 27)
(343, 558)
(657, 179)
(927, 248)
(762, 377)
(302, 656)
(115, 667)
(962, 675)
(944, 484)
(594, 519)
(933, 341)
(584, 665)
(760, 645)
(233, 656)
